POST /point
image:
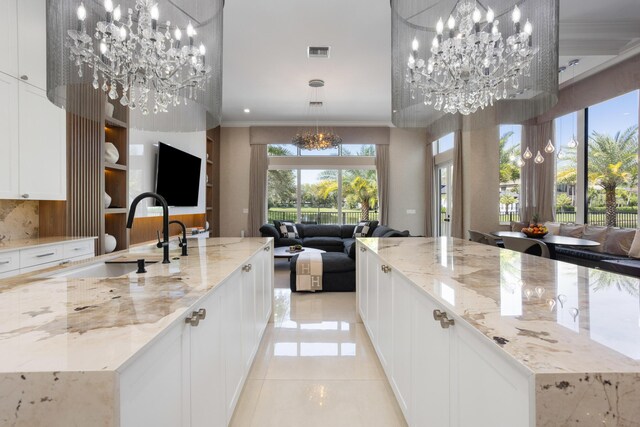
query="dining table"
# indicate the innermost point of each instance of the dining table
(551, 240)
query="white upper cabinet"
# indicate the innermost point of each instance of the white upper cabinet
(32, 42)
(42, 146)
(9, 146)
(8, 38)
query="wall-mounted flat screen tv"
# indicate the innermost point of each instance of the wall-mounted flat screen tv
(177, 176)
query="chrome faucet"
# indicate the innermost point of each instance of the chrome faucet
(164, 244)
(182, 243)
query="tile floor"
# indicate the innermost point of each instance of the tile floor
(315, 367)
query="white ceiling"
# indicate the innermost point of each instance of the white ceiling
(265, 67)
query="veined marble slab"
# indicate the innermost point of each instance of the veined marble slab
(97, 324)
(575, 330)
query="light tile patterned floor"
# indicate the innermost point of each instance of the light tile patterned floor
(315, 367)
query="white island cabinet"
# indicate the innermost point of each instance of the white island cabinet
(170, 347)
(471, 335)
(441, 376)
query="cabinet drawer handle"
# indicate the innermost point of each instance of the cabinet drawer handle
(24, 77)
(4, 262)
(442, 317)
(77, 249)
(363, 249)
(202, 313)
(247, 268)
(267, 249)
(25, 196)
(193, 320)
(44, 255)
(385, 268)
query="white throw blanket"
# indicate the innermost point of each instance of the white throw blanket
(309, 272)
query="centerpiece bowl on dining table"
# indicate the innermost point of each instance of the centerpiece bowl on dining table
(535, 231)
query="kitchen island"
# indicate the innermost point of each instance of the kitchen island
(168, 347)
(475, 335)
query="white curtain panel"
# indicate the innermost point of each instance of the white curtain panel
(257, 189)
(382, 168)
(457, 217)
(428, 197)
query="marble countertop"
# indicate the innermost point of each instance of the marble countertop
(12, 245)
(551, 317)
(97, 324)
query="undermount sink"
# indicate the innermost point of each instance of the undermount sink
(102, 270)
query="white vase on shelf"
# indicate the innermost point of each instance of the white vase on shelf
(111, 154)
(107, 200)
(109, 243)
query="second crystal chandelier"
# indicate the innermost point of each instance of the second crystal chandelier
(134, 61)
(471, 65)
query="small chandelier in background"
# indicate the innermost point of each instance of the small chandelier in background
(471, 66)
(539, 158)
(316, 138)
(134, 60)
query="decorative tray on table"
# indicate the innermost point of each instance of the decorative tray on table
(295, 251)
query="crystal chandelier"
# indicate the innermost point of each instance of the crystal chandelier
(136, 57)
(471, 66)
(316, 139)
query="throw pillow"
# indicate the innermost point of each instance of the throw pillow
(288, 230)
(553, 227)
(518, 226)
(619, 241)
(362, 229)
(634, 252)
(597, 234)
(571, 230)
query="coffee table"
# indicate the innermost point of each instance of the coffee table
(282, 252)
(551, 240)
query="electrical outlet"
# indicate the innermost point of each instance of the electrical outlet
(411, 211)
(245, 210)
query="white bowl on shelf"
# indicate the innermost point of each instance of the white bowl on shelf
(107, 200)
(108, 109)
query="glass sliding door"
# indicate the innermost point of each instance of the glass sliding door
(444, 172)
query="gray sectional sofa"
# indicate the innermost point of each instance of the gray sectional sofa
(338, 263)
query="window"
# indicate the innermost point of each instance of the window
(612, 162)
(342, 194)
(509, 153)
(314, 198)
(603, 153)
(443, 144)
(566, 131)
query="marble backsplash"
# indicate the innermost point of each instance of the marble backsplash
(18, 219)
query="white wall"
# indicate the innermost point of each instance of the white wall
(142, 166)
(407, 156)
(235, 154)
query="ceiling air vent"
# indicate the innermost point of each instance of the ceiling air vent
(315, 104)
(318, 51)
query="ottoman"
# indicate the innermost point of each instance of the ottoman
(338, 272)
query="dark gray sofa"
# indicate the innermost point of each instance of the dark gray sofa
(339, 268)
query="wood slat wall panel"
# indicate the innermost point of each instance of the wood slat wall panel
(144, 228)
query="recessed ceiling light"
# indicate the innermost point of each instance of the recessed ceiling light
(246, 110)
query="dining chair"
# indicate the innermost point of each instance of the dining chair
(527, 246)
(484, 238)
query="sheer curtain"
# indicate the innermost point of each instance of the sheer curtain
(537, 180)
(457, 217)
(428, 197)
(257, 189)
(382, 169)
